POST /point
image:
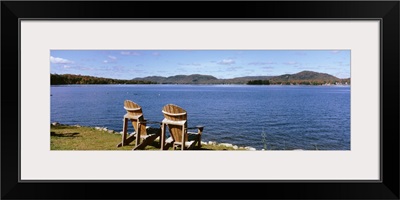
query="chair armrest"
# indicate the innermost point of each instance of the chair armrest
(199, 129)
(131, 109)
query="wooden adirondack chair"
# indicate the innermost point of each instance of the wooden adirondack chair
(142, 135)
(175, 118)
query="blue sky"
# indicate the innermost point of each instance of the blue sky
(129, 64)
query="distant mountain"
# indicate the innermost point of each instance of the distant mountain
(199, 79)
(304, 77)
(155, 79)
(180, 79)
(245, 79)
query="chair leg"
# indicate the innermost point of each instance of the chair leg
(124, 133)
(138, 137)
(199, 142)
(183, 138)
(162, 138)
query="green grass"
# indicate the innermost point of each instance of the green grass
(88, 138)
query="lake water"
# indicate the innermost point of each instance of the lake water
(291, 117)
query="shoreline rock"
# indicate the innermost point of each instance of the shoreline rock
(228, 145)
(55, 124)
(250, 148)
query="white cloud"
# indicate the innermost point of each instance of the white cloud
(86, 68)
(189, 64)
(67, 66)
(234, 68)
(267, 67)
(262, 63)
(335, 52)
(130, 53)
(112, 59)
(291, 63)
(340, 63)
(226, 62)
(56, 60)
(156, 54)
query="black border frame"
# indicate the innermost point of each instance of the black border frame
(386, 11)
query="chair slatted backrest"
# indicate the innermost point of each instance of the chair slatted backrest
(178, 121)
(134, 113)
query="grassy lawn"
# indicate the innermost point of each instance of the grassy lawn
(88, 138)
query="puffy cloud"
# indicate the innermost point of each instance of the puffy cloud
(112, 57)
(56, 60)
(226, 62)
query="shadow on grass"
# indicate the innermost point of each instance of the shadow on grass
(156, 145)
(63, 127)
(64, 134)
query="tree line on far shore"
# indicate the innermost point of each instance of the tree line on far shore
(66, 79)
(299, 82)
